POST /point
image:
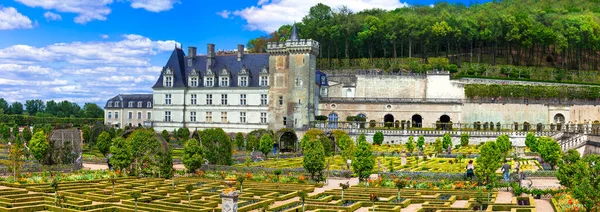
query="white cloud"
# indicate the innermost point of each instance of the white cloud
(224, 14)
(104, 36)
(86, 10)
(82, 71)
(10, 18)
(50, 16)
(134, 50)
(153, 5)
(269, 16)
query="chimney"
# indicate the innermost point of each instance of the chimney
(191, 52)
(240, 52)
(210, 56)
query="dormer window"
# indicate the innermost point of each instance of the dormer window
(264, 77)
(110, 104)
(194, 76)
(168, 77)
(117, 104)
(244, 81)
(149, 104)
(194, 81)
(139, 104)
(209, 78)
(130, 105)
(224, 81)
(243, 77)
(209, 81)
(264, 81)
(224, 77)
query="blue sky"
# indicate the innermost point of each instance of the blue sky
(92, 50)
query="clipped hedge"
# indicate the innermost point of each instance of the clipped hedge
(531, 91)
(25, 120)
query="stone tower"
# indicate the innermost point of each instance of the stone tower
(292, 91)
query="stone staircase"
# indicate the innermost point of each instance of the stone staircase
(572, 142)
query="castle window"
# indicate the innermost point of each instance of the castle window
(224, 82)
(139, 104)
(169, 81)
(130, 104)
(117, 104)
(167, 99)
(244, 81)
(194, 81)
(264, 81)
(130, 115)
(167, 116)
(223, 117)
(263, 99)
(280, 100)
(193, 99)
(242, 99)
(209, 82)
(284, 121)
(110, 104)
(192, 116)
(223, 99)
(242, 117)
(208, 99)
(149, 116)
(149, 104)
(333, 120)
(116, 115)
(139, 115)
(208, 117)
(109, 115)
(263, 118)
(298, 82)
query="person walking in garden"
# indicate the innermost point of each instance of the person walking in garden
(470, 170)
(506, 171)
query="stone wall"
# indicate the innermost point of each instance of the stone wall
(390, 86)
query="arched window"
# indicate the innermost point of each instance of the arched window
(333, 120)
(559, 118)
(149, 105)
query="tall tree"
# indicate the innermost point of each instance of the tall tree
(34, 106)
(92, 110)
(192, 155)
(3, 106)
(363, 161)
(15, 108)
(314, 157)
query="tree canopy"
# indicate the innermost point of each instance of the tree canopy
(561, 34)
(63, 109)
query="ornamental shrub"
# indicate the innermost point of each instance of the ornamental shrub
(266, 144)
(410, 144)
(372, 124)
(103, 143)
(363, 161)
(531, 142)
(165, 135)
(217, 146)
(378, 138)
(549, 150)
(38, 146)
(488, 162)
(421, 143)
(314, 157)
(121, 154)
(464, 139)
(503, 144)
(27, 134)
(446, 141)
(239, 140)
(192, 155)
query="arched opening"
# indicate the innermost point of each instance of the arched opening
(417, 121)
(445, 122)
(333, 120)
(287, 140)
(388, 120)
(559, 118)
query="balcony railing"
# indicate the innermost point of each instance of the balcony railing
(461, 101)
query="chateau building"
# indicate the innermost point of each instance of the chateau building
(128, 110)
(239, 92)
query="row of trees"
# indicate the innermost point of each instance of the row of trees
(37, 107)
(557, 33)
(531, 91)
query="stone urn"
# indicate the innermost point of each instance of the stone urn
(403, 157)
(229, 196)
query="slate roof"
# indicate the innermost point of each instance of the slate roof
(178, 64)
(254, 63)
(124, 100)
(321, 81)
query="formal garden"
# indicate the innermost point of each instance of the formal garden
(330, 172)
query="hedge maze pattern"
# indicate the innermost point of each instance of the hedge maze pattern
(159, 195)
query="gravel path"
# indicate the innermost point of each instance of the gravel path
(504, 197)
(543, 205)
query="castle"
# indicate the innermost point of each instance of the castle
(241, 92)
